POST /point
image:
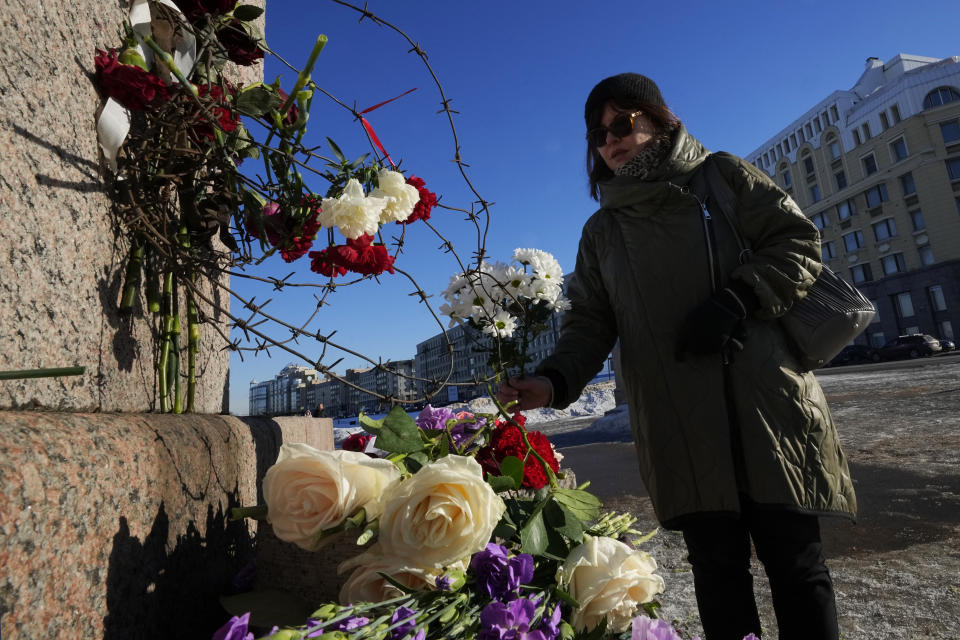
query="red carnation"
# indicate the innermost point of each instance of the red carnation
(241, 47)
(196, 9)
(358, 255)
(293, 236)
(128, 84)
(507, 440)
(322, 262)
(356, 442)
(428, 199)
(212, 96)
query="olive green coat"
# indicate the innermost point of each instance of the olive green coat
(641, 268)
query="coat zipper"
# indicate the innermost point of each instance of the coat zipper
(709, 239)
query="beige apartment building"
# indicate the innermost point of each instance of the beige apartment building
(877, 169)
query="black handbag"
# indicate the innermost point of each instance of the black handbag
(824, 321)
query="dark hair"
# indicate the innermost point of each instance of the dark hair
(659, 115)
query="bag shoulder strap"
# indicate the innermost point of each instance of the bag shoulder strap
(710, 185)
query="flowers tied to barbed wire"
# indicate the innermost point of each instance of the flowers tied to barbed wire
(426, 203)
(610, 580)
(355, 213)
(125, 78)
(309, 491)
(359, 255)
(293, 233)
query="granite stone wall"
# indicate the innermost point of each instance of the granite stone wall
(115, 526)
(61, 259)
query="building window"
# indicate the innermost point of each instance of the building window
(808, 164)
(816, 123)
(853, 240)
(926, 255)
(828, 250)
(940, 96)
(907, 184)
(815, 193)
(841, 179)
(801, 136)
(779, 150)
(809, 130)
(884, 123)
(793, 141)
(937, 300)
(893, 264)
(869, 164)
(876, 309)
(898, 150)
(950, 131)
(820, 219)
(884, 230)
(787, 180)
(861, 273)
(856, 137)
(846, 209)
(835, 149)
(786, 145)
(953, 168)
(904, 304)
(946, 330)
(916, 217)
(895, 112)
(877, 194)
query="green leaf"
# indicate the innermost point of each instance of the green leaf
(399, 433)
(268, 607)
(512, 467)
(257, 100)
(562, 521)
(583, 504)
(502, 483)
(566, 598)
(533, 535)
(419, 459)
(371, 426)
(247, 12)
(336, 151)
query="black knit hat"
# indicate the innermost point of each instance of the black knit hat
(626, 87)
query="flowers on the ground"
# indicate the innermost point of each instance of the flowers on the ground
(129, 84)
(235, 629)
(515, 620)
(443, 513)
(498, 573)
(507, 440)
(609, 580)
(366, 583)
(356, 442)
(308, 491)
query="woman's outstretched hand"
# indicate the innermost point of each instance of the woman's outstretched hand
(529, 393)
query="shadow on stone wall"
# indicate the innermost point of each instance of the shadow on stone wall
(156, 593)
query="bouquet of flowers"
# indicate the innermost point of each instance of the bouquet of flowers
(467, 533)
(509, 302)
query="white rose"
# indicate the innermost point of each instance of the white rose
(610, 580)
(401, 197)
(442, 513)
(353, 213)
(366, 584)
(308, 490)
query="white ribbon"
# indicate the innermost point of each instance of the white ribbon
(113, 125)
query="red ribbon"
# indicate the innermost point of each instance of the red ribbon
(369, 128)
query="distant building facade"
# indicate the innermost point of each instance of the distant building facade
(877, 169)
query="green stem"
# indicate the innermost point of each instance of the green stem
(551, 476)
(174, 362)
(165, 341)
(132, 278)
(153, 281)
(302, 79)
(193, 345)
(167, 59)
(257, 513)
(55, 372)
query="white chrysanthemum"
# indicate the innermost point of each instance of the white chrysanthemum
(525, 256)
(457, 283)
(546, 266)
(562, 303)
(353, 213)
(515, 281)
(401, 197)
(543, 291)
(503, 325)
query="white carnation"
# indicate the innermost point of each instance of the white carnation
(401, 197)
(353, 213)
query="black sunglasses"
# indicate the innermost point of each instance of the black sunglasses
(620, 127)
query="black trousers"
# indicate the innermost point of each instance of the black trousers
(788, 544)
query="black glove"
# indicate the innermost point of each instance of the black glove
(717, 325)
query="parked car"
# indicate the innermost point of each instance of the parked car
(948, 345)
(855, 354)
(913, 346)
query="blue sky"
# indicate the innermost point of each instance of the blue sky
(518, 73)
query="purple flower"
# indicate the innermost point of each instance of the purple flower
(497, 573)
(443, 582)
(352, 623)
(435, 419)
(465, 429)
(551, 625)
(645, 628)
(510, 621)
(408, 624)
(234, 629)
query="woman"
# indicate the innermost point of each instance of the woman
(735, 440)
